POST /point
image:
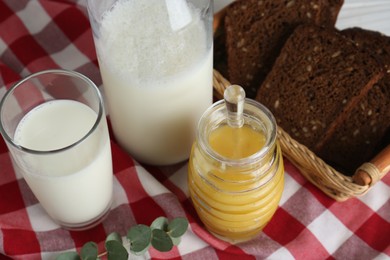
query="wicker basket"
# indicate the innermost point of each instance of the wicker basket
(331, 182)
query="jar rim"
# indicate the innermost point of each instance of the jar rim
(263, 116)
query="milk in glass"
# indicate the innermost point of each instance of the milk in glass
(71, 185)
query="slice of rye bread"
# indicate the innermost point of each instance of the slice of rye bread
(317, 80)
(374, 41)
(257, 29)
(367, 130)
(363, 133)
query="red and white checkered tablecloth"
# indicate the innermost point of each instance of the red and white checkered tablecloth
(39, 35)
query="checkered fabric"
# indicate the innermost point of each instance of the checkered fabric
(39, 35)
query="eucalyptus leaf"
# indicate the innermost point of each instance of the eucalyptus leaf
(116, 250)
(176, 240)
(139, 237)
(91, 258)
(89, 251)
(68, 256)
(177, 227)
(162, 234)
(161, 240)
(139, 253)
(160, 223)
(114, 236)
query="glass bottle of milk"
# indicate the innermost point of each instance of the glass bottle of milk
(156, 62)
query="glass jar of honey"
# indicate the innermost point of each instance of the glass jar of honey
(236, 173)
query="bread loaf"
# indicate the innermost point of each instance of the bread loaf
(257, 29)
(318, 91)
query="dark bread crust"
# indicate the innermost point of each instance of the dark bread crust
(316, 84)
(256, 30)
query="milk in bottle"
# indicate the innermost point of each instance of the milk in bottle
(156, 63)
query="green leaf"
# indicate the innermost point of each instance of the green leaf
(89, 251)
(139, 237)
(177, 227)
(176, 240)
(161, 240)
(140, 252)
(68, 256)
(116, 250)
(114, 236)
(160, 223)
(161, 234)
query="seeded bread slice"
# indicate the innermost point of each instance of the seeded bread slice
(373, 41)
(363, 134)
(257, 29)
(367, 130)
(316, 82)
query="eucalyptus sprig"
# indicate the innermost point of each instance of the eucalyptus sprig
(161, 234)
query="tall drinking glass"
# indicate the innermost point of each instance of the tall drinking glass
(156, 62)
(56, 131)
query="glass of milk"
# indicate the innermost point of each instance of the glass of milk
(156, 62)
(56, 131)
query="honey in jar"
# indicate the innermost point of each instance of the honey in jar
(236, 173)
